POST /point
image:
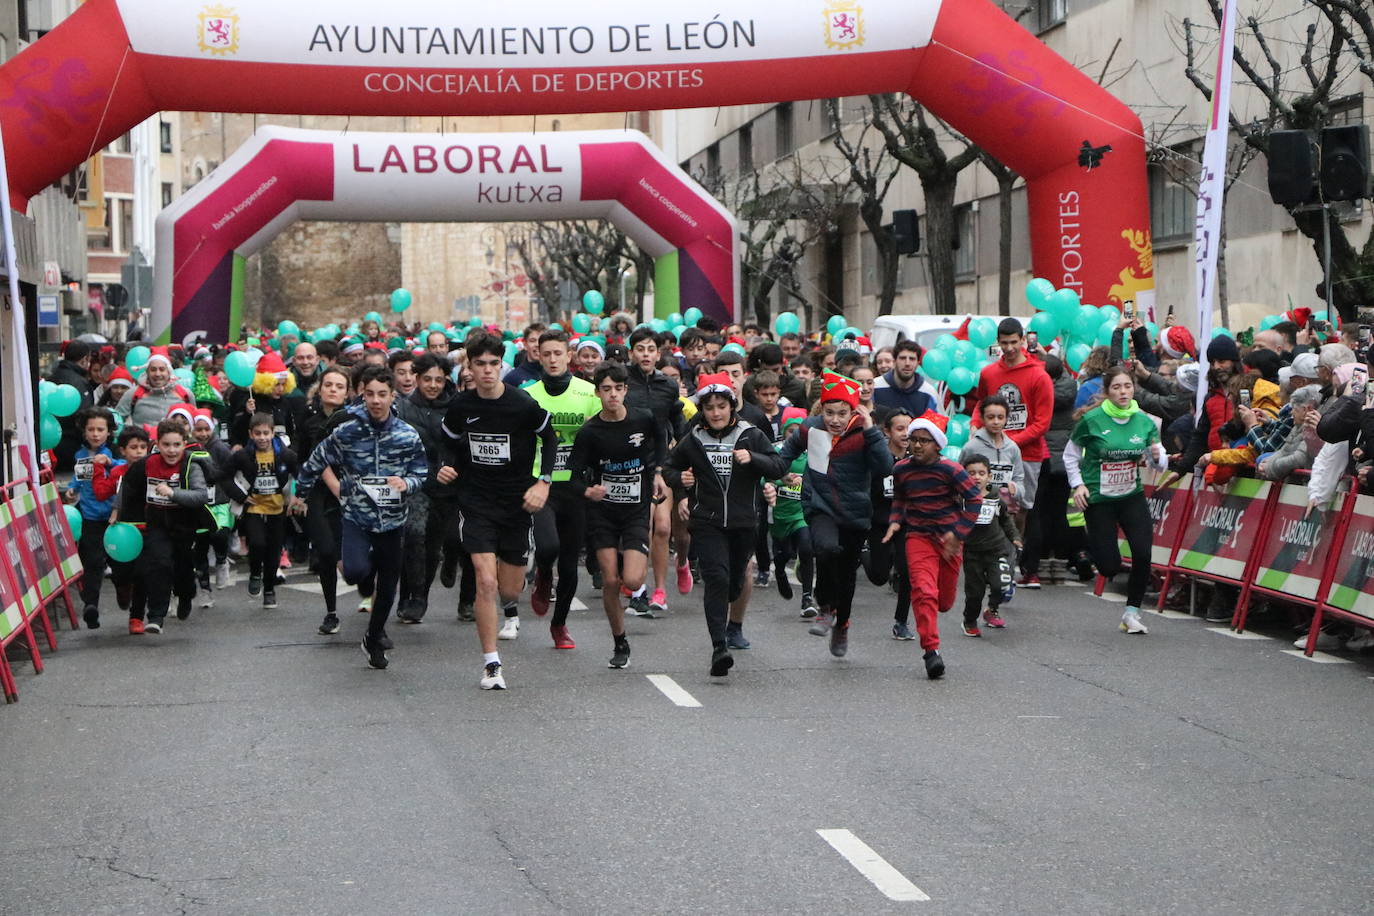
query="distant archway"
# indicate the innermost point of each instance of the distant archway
(1081, 151)
(282, 175)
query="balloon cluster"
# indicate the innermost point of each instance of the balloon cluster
(1060, 314)
(54, 401)
(958, 363)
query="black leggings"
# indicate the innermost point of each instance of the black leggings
(325, 522)
(217, 540)
(723, 557)
(560, 533)
(167, 566)
(264, 534)
(1132, 515)
(797, 544)
(91, 549)
(837, 563)
(426, 528)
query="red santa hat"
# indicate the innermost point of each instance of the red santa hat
(120, 376)
(1177, 342)
(203, 415)
(159, 355)
(186, 412)
(717, 383)
(933, 423)
(271, 364)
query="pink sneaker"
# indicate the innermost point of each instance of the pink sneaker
(285, 560)
(659, 602)
(684, 579)
(993, 619)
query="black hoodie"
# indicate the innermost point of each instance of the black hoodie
(726, 498)
(427, 417)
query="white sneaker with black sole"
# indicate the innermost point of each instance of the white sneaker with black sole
(492, 678)
(510, 629)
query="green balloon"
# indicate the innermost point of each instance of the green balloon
(1153, 330)
(693, 315)
(952, 452)
(958, 431)
(1109, 313)
(675, 321)
(64, 401)
(1038, 292)
(49, 432)
(1104, 333)
(937, 364)
(786, 323)
(582, 323)
(73, 521)
(1076, 354)
(1085, 323)
(961, 380)
(240, 368)
(1218, 332)
(123, 542)
(946, 341)
(835, 325)
(965, 354)
(1268, 321)
(982, 332)
(1045, 325)
(136, 359)
(475, 321)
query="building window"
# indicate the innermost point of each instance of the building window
(122, 144)
(746, 148)
(964, 253)
(167, 194)
(713, 161)
(786, 139)
(98, 239)
(126, 225)
(1049, 13)
(165, 136)
(1172, 206)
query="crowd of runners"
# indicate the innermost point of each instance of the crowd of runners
(706, 462)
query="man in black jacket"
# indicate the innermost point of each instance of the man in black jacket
(73, 369)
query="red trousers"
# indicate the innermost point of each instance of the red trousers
(934, 583)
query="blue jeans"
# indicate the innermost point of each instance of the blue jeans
(372, 561)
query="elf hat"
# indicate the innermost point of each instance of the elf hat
(719, 383)
(836, 387)
(933, 423)
(792, 415)
(1177, 341)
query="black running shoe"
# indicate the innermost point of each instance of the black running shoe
(935, 665)
(839, 640)
(269, 598)
(184, 608)
(92, 617)
(254, 586)
(721, 662)
(621, 657)
(784, 584)
(376, 655)
(448, 573)
(385, 641)
(330, 626)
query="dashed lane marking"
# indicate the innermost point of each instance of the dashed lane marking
(673, 691)
(892, 883)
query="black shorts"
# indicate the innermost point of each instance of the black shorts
(506, 534)
(623, 528)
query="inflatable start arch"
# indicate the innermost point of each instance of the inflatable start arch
(1081, 152)
(282, 175)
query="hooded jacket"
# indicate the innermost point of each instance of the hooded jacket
(658, 395)
(1166, 399)
(426, 417)
(145, 406)
(839, 469)
(243, 467)
(1007, 456)
(359, 448)
(1062, 422)
(915, 399)
(1030, 394)
(730, 502)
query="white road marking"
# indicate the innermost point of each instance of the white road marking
(1037, 717)
(1226, 631)
(313, 588)
(872, 866)
(673, 691)
(577, 605)
(1320, 658)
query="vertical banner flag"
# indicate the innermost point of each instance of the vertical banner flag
(16, 345)
(1211, 190)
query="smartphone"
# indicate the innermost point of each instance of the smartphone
(1359, 378)
(1128, 310)
(1032, 340)
(1245, 398)
(1365, 336)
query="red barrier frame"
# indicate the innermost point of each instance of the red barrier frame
(7, 493)
(25, 627)
(1321, 608)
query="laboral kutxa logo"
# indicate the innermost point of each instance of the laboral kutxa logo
(844, 25)
(219, 30)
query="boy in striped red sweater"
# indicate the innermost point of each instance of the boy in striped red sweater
(935, 505)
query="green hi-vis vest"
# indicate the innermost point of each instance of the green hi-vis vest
(569, 410)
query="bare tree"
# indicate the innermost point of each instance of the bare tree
(919, 141)
(591, 254)
(870, 176)
(1006, 184)
(1339, 46)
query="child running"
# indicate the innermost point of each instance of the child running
(934, 506)
(791, 538)
(96, 425)
(992, 535)
(260, 479)
(106, 483)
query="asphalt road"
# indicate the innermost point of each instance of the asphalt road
(240, 763)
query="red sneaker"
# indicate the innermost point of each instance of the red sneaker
(1028, 582)
(684, 579)
(135, 626)
(993, 619)
(562, 639)
(539, 598)
(285, 561)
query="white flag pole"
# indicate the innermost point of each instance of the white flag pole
(16, 338)
(1211, 192)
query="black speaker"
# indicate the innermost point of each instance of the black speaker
(1292, 168)
(1345, 162)
(906, 231)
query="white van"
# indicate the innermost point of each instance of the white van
(923, 329)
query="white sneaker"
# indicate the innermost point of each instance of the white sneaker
(510, 629)
(1326, 642)
(207, 599)
(1130, 623)
(1361, 641)
(365, 605)
(222, 575)
(492, 679)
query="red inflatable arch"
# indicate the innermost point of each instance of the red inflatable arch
(115, 62)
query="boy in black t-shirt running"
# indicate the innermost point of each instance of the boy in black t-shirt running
(497, 494)
(617, 454)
